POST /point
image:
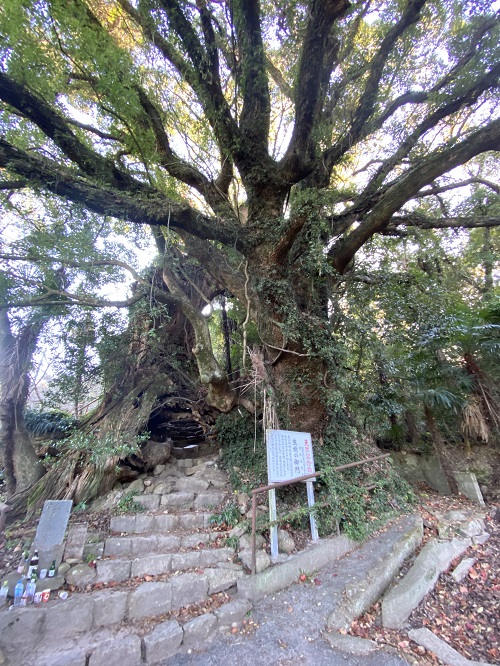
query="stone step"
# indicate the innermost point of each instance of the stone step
(185, 500)
(137, 545)
(110, 570)
(106, 647)
(166, 523)
(86, 629)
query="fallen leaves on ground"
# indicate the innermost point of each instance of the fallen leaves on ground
(465, 614)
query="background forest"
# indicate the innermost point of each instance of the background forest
(257, 213)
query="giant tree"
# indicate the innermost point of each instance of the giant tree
(266, 142)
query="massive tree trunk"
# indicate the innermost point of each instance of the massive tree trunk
(21, 464)
(272, 227)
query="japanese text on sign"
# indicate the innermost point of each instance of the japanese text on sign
(289, 455)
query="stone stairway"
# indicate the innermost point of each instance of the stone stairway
(154, 564)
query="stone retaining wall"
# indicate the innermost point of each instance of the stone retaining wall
(26, 631)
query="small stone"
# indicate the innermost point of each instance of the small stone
(113, 570)
(196, 468)
(285, 542)
(245, 542)
(232, 566)
(199, 630)
(262, 560)
(147, 482)
(188, 484)
(481, 538)
(351, 644)
(158, 469)
(243, 500)
(463, 568)
(470, 528)
(455, 516)
(164, 488)
(169, 471)
(239, 531)
(181, 500)
(183, 464)
(109, 607)
(136, 486)
(163, 641)
(122, 651)
(150, 599)
(233, 612)
(215, 477)
(80, 575)
(188, 589)
(149, 502)
(63, 568)
(209, 499)
(221, 579)
(95, 549)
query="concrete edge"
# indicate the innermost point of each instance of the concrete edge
(448, 655)
(434, 558)
(378, 579)
(283, 575)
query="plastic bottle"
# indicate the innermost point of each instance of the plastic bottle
(24, 598)
(18, 592)
(31, 588)
(4, 591)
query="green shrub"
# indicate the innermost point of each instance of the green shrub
(243, 453)
(52, 422)
(229, 516)
(127, 503)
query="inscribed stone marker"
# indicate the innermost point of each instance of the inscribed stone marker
(75, 543)
(49, 538)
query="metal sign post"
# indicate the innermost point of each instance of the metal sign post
(273, 517)
(289, 456)
(310, 502)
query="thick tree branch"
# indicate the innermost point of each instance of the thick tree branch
(14, 184)
(278, 78)
(375, 188)
(215, 263)
(322, 15)
(197, 70)
(468, 98)
(474, 42)
(94, 130)
(56, 298)
(368, 99)
(454, 186)
(176, 166)
(211, 373)
(419, 221)
(153, 208)
(56, 128)
(83, 265)
(405, 188)
(255, 114)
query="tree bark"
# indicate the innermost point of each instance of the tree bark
(21, 463)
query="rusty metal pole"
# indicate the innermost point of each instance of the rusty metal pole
(280, 484)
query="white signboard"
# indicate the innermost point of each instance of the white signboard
(289, 455)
